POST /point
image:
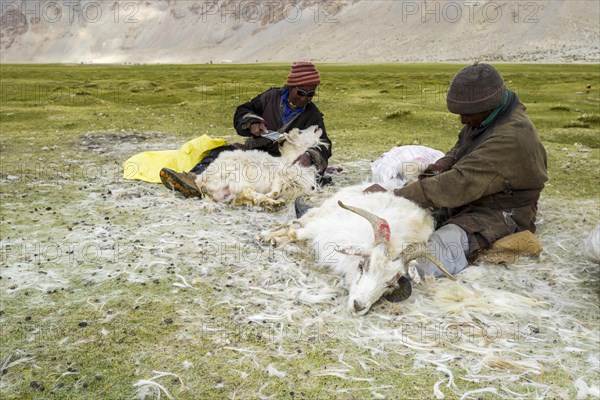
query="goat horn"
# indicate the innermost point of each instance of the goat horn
(418, 250)
(381, 228)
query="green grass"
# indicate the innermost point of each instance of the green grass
(48, 111)
(368, 109)
(590, 118)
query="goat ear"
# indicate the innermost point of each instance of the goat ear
(289, 139)
(352, 250)
(391, 284)
(402, 270)
(413, 272)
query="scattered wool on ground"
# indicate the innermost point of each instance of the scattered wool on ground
(497, 326)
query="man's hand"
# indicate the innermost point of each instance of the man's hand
(376, 188)
(434, 170)
(440, 166)
(414, 192)
(303, 160)
(258, 128)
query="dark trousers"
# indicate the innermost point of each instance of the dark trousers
(212, 156)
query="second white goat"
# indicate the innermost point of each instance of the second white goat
(253, 177)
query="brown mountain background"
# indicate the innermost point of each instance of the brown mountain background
(181, 31)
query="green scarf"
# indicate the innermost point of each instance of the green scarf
(495, 113)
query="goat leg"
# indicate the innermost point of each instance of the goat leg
(281, 234)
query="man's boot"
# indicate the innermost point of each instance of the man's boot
(183, 182)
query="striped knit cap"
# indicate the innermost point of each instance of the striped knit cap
(474, 89)
(303, 74)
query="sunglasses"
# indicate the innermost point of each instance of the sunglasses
(304, 93)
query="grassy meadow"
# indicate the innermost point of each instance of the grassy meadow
(368, 109)
(106, 282)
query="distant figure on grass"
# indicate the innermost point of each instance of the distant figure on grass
(277, 109)
(487, 186)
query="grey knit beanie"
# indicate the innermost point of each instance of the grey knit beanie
(474, 89)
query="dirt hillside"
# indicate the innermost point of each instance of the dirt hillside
(181, 31)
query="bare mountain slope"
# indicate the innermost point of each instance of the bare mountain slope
(181, 31)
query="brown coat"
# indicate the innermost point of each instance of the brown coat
(491, 179)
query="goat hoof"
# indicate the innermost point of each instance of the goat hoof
(293, 235)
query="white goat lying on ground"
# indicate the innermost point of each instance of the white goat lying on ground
(253, 177)
(370, 238)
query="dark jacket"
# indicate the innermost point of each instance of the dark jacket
(268, 106)
(491, 180)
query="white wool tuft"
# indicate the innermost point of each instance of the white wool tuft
(584, 391)
(472, 393)
(591, 245)
(149, 387)
(272, 371)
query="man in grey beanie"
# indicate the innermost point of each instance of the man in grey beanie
(487, 186)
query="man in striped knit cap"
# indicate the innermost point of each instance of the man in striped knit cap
(277, 109)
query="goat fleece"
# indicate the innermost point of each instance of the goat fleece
(253, 177)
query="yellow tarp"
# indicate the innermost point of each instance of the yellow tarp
(146, 166)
